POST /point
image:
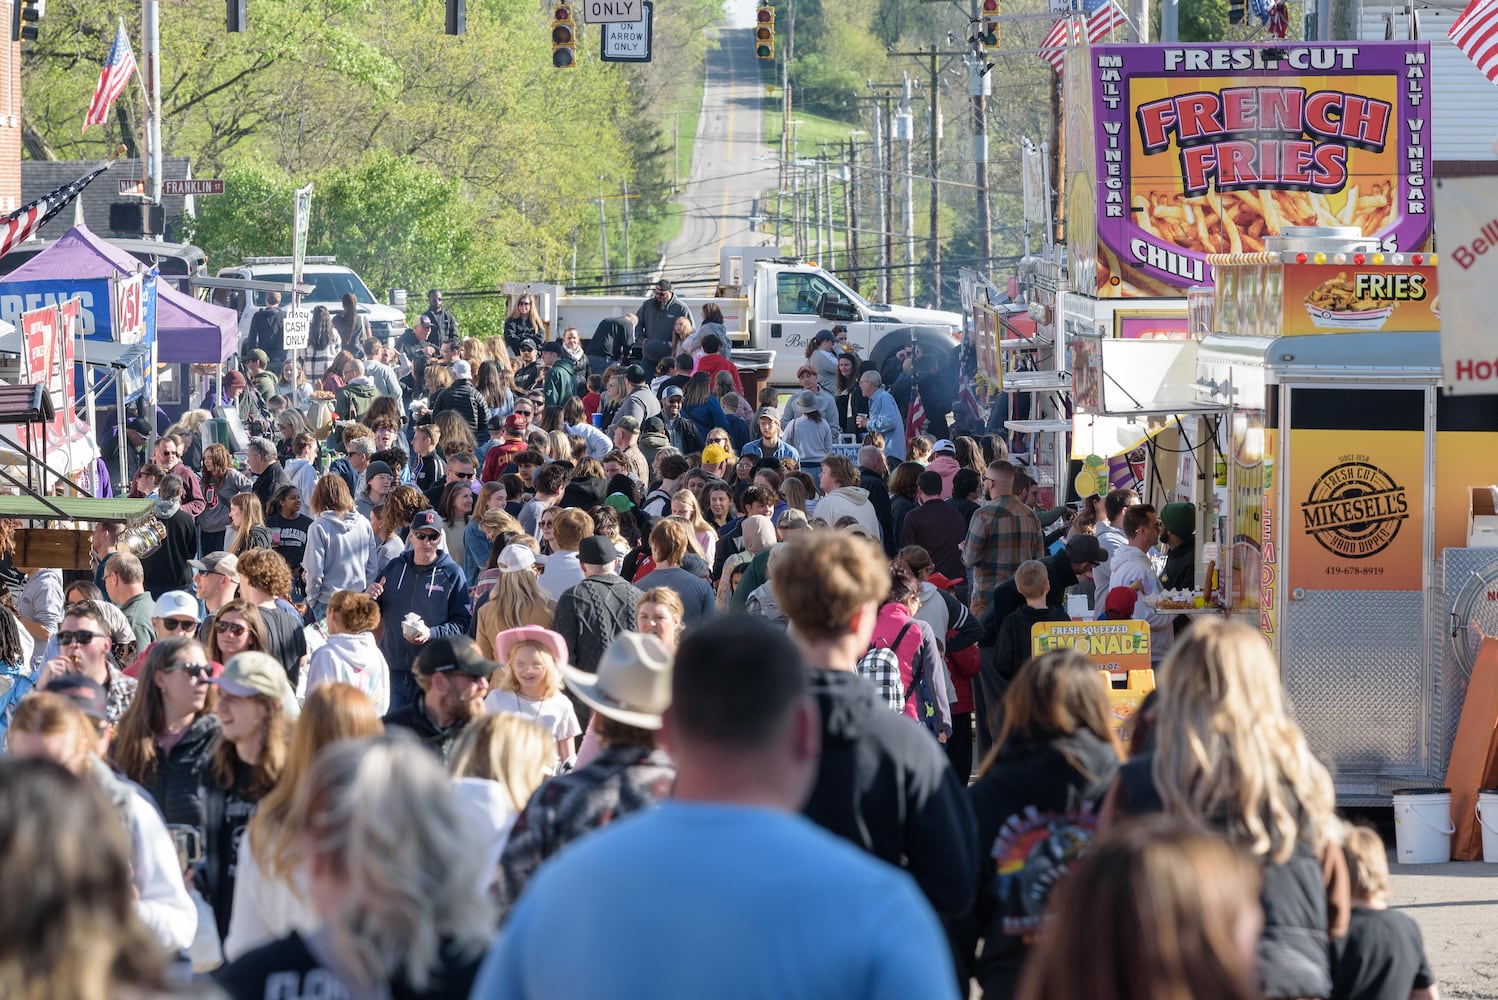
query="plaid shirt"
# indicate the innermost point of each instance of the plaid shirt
(619, 781)
(1002, 535)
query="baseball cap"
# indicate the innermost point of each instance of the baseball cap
(235, 378)
(516, 557)
(527, 344)
(671, 390)
(427, 519)
(552, 347)
(619, 502)
(377, 469)
(635, 374)
(653, 425)
(514, 422)
(713, 454)
(462, 369)
(85, 692)
(456, 654)
(251, 673)
(256, 354)
(222, 563)
(791, 519)
(943, 445)
(1085, 548)
(769, 411)
(1120, 601)
(598, 550)
(177, 604)
(139, 425)
(631, 424)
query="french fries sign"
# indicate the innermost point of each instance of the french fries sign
(1213, 148)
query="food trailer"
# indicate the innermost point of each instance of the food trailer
(1348, 498)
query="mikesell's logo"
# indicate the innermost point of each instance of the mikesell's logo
(1355, 509)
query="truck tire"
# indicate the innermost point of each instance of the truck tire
(938, 344)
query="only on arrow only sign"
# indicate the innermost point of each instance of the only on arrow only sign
(627, 42)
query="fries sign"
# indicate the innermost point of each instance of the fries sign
(1359, 298)
(1205, 149)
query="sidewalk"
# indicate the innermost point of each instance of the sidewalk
(1456, 906)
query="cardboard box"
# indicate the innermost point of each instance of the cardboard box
(1482, 517)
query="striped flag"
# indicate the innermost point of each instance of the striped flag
(915, 418)
(19, 225)
(119, 67)
(1475, 32)
(1104, 16)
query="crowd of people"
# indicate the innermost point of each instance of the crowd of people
(541, 667)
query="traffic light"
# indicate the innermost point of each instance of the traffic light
(988, 32)
(764, 32)
(25, 15)
(1237, 12)
(457, 17)
(563, 37)
(235, 16)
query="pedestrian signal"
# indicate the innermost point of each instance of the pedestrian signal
(563, 37)
(988, 32)
(764, 32)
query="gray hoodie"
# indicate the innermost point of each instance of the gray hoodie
(849, 501)
(338, 550)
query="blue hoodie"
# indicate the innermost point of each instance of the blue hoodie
(338, 549)
(438, 593)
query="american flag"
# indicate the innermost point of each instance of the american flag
(1103, 16)
(19, 225)
(119, 67)
(915, 417)
(1475, 32)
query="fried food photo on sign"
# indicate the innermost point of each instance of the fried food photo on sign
(1338, 295)
(1238, 221)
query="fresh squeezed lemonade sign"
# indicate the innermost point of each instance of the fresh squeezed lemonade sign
(1213, 148)
(1111, 645)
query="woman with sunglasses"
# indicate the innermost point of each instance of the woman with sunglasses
(167, 733)
(236, 628)
(523, 322)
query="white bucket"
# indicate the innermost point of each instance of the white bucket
(1422, 825)
(1487, 806)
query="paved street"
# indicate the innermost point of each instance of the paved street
(1456, 906)
(725, 178)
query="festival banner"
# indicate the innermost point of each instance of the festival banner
(1356, 510)
(1211, 148)
(1115, 646)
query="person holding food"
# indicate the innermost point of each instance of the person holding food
(1132, 568)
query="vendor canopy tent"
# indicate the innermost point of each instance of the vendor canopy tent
(187, 330)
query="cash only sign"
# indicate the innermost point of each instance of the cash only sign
(1212, 148)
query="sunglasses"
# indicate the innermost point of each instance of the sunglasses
(463, 475)
(231, 628)
(425, 536)
(197, 671)
(80, 637)
(178, 625)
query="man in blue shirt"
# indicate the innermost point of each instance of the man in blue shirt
(884, 415)
(770, 444)
(724, 891)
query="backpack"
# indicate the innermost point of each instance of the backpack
(881, 664)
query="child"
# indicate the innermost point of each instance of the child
(351, 654)
(530, 683)
(1012, 650)
(1382, 956)
(1120, 604)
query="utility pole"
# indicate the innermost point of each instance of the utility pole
(935, 147)
(785, 93)
(629, 261)
(850, 206)
(603, 235)
(151, 41)
(979, 86)
(908, 118)
(881, 177)
(831, 263)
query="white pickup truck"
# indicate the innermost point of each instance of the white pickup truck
(772, 304)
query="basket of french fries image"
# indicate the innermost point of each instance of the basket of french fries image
(1334, 305)
(1435, 307)
(1239, 221)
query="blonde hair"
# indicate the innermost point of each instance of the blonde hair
(331, 712)
(385, 818)
(512, 752)
(551, 686)
(695, 518)
(516, 599)
(1032, 580)
(671, 539)
(1367, 864)
(1229, 754)
(43, 713)
(251, 515)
